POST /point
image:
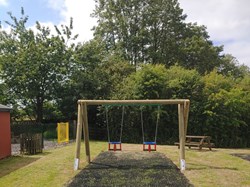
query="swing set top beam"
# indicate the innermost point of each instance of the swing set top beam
(135, 102)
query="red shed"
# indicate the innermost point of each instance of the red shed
(5, 134)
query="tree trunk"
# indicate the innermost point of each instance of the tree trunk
(39, 109)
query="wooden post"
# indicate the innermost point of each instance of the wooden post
(74, 129)
(186, 113)
(86, 132)
(182, 136)
(78, 137)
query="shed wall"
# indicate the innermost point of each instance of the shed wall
(5, 135)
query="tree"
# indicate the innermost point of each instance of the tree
(138, 28)
(229, 66)
(33, 64)
(111, 73)
(154, 32)
(158, 82)
(83, 81)
(149, 82)
(226, 110)
(197, 52)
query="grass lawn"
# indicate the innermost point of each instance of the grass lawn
(213, 168)
(55, 167)
(51, 168)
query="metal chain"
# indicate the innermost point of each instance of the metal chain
(157, 122)
(123, 111)
(142, 125)
(107, 122)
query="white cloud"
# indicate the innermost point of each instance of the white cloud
(241, 49)
(227, 23)
(6, 28)
(3, 2)
(80, 11)
(57, 5)
(50, 25)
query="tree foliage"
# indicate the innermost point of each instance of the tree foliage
(33, 64)
(225, 110)
(154, 32)
(229, 66)
(219, 104)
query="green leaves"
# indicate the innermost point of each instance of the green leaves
(226, 109)
(219, 105)
(155, 32)
(33, 64)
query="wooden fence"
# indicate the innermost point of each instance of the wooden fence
(31, 143)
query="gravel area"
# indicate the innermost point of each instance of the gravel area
(243, 156)
(15, 148)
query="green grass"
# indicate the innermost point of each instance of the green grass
(55, 167)
(52, 168)
(213, 168)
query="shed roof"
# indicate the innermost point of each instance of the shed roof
(4, 108)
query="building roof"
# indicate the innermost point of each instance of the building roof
(4, 108)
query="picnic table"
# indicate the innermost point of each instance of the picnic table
(197, 141)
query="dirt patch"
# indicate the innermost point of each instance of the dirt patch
(130, 169)
(243, 156)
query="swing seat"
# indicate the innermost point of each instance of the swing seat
(115, 146)
(149, 149)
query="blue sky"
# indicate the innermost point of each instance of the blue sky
(227, 21)
(36, 9)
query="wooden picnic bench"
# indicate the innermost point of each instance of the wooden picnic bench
(197, 141)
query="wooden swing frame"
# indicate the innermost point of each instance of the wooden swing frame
(82, 122)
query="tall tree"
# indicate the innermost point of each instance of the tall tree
(230, 67)
(33, 63)
(154, 32)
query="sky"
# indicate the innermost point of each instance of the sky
(227, 21)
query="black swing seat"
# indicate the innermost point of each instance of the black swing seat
(153, 148)
(115, 146)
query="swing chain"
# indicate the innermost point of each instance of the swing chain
(107, 122)
(157, 124)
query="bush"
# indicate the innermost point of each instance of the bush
(50, 134)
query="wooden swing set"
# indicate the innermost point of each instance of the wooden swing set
(82, 123)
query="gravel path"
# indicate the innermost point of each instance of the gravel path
(15, 148)
(130, 169)
(243, 156)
